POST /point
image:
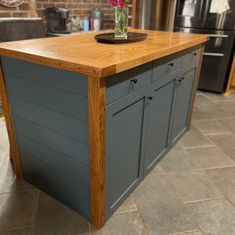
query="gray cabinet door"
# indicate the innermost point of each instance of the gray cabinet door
(159, 119)
(182, 104)
(124, 130)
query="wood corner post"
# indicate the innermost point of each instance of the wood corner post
(96, 107)
(14, 152)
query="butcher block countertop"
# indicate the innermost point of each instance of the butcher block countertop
(81, 53)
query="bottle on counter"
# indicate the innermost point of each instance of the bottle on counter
(97, 13)
(86, 24)
(97, 25)
(91, 24)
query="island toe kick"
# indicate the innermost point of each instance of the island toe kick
(88, 140)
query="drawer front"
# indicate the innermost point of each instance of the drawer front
(122, 84)
(162, 69)
(190, 60)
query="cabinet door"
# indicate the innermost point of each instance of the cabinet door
(124, 130)
(182, 104)
(157, 136)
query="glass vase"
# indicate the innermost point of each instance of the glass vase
(121, 22)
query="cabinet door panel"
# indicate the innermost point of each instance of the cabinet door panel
(182, 107)
(158, 123)
(124, 125)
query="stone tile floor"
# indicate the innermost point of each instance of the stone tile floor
(191, 191)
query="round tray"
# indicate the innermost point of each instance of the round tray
(109, 38)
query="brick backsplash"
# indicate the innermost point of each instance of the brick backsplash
(82, 8)
(26, 9)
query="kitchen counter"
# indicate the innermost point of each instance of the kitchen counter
(82, 53)
(88, 121)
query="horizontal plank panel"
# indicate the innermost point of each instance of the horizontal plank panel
(60, 143)
(64, 80)
(57, 160)
(68, 103)
(63, 188)
(50, 119)
(58, 179)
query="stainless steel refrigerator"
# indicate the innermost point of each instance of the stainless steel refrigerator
(217, 19)
(155, 14)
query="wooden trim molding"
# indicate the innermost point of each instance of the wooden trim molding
(96, 107)
(14, 152)
(197, 81)
(231, 81)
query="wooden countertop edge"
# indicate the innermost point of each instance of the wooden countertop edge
(101, 72)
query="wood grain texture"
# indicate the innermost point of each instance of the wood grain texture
(96, 107)
(14, 152)
(196, 83)
(81, 53)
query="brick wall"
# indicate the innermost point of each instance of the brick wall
(32, 8)
(26, 9)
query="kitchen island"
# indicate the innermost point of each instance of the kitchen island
(88, 121)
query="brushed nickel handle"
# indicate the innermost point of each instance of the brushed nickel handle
(217, 35)
(213, 54)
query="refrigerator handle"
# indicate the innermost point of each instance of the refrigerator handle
(217, 35)
(213, 54)
(206, 10)
(201, 9)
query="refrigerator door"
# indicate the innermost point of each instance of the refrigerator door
(189, 13)
(207, 14)
(216, 60)
(214, 71)
(153, 14)
(219, 16)
(220, 40)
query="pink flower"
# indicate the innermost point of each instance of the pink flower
(113, 2)
(121, 4)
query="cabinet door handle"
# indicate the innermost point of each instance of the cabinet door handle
(134, 81)
(171, 64)
(150, 98)
(179, 80)
(182, 78)
(195, 53)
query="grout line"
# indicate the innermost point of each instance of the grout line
(202, 146)
(218, 133)
(206, 199)
(219, 167)
(18, 228)
(126, 211)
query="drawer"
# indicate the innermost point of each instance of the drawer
(190, 60)
(124, 83)
(165, 67)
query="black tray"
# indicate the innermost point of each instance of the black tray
(109, 38)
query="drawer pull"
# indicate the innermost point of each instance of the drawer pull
(171, 64)
(195, 53)
(182, 78)
(134, 81)
(150, 98)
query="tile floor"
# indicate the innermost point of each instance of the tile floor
(191, 191)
